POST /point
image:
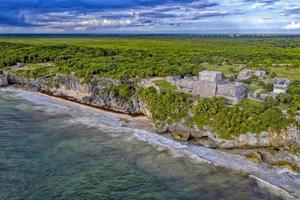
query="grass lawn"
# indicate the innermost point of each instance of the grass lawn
(165, 85)
(286, 72)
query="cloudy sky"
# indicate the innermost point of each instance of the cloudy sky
(150, 16)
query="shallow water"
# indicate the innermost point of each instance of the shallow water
(54, 150)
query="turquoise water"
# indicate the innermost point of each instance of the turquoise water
(47, 152)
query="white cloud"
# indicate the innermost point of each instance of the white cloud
(258, 5)
(292, 26)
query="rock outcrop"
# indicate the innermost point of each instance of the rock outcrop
(281, 158)
(285, 138)
(3, 79)
(92, 93)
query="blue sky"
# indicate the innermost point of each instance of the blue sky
(150, 16)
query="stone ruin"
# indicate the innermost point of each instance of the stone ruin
(260, 73)
(280, 85)
(232, 91)
(207, 83)
(257, 95)
(245, 74)
(210, 84)
(248, 73)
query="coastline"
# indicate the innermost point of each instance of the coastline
(136, 119)
(277, 184)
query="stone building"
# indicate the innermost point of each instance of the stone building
(206, 85)
(187, 83)
(232, 91)
(280, 85)
(210, 84)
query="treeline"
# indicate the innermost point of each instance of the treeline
(173, 57)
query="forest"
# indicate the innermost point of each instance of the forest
(140, 57)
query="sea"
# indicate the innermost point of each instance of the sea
(52, 149)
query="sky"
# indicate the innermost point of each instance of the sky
(150, 16)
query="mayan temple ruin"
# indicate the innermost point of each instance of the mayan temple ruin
(210, 84)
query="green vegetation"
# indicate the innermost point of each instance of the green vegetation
(168, 107)
(140, 57)
(165, 86)
(256, 84)
(125, 90)
(247, 116)
(214, 114)
(291, 100)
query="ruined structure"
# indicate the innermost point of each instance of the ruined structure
(232, 91)
(260, 73)
(210, 84)
(280, 85)
(257, 95)
(207, 83)
(245, 74)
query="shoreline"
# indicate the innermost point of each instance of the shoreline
(129, 117)
(133, 118)
(136, 119)
(215, 157)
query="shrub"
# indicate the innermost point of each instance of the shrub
(274, 119)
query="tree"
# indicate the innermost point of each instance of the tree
(273, 118)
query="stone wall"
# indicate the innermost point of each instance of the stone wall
(210, 76)
(233, 91)
(205, 88)
(280, 85)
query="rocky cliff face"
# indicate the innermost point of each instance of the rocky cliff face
(92, 93)
(3, 79)
(286, 138)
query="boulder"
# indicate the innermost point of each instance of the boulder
(180, 132)
(3, 79)
(281, 158)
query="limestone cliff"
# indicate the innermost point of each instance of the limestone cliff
(95, 93)
(3, 79)
(92, 93)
